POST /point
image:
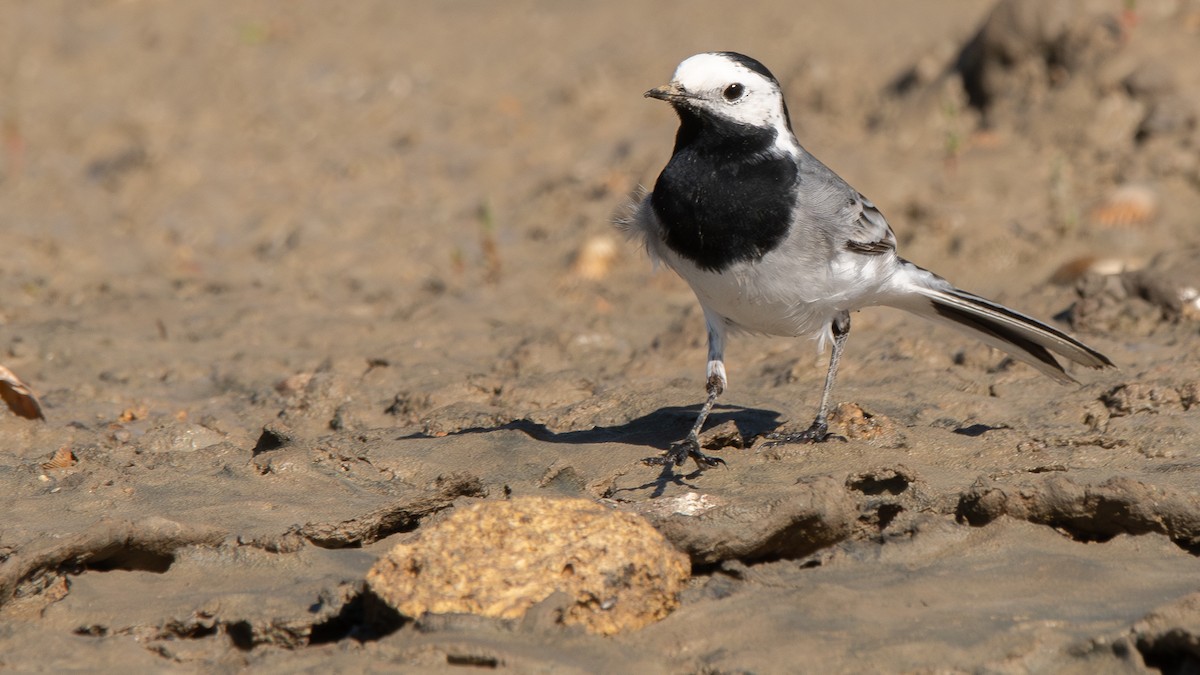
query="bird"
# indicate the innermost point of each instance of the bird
(773, 242)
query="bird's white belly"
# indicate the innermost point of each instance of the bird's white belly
(759, 304)
(786, 297)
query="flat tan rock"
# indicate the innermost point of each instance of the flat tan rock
(499, 558)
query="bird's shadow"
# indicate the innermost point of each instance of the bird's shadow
(659, 430)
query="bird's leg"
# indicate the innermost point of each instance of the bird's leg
(819, 431)
(678, 453)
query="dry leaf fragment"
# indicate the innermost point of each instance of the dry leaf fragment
(63, 459)
(595, 258)
(127, 415)
(294, 385)
(19, 396)
(1127, 206)
(1075, 269)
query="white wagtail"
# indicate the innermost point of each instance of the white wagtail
(773, 242)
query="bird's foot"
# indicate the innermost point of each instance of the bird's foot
(679, 452)
(817, 433)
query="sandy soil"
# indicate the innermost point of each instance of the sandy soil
(293, 279)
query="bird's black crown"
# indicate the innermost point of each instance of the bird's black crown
(750, 63)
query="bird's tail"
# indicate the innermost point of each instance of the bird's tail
(926, 294)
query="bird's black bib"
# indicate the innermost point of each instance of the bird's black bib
(726, 196)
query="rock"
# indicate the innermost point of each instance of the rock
(1088, 512)
(1170, 116)
(1170, 634)
(1165, 291)
(500, 558)
(1171, 282)
(852, 422)
(1025, 47)
(724, 435)
(1138, 397)
(1150, 80)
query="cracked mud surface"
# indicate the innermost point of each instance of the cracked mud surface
(294, 284)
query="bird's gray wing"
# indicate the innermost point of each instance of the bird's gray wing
(868, 231)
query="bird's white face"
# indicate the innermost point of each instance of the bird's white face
(719, 84)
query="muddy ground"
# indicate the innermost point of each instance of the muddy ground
(292, 280)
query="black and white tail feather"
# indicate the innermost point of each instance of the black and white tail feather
(772, 241)
(1021, 336)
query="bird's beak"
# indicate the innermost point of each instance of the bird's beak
(667, 92)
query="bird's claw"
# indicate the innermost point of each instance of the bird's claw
(817, 433)
(679, 452)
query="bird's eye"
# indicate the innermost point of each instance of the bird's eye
(733, 92)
